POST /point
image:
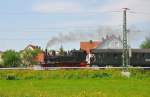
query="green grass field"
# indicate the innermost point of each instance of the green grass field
(74, 83)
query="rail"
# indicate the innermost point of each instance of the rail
(57, 68)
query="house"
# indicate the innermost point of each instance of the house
(40, 57)
(87, 46)
(31, 47)
(111, 42)
(108, 42)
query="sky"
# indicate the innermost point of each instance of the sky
(37, 22)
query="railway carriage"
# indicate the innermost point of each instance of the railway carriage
(113, 57)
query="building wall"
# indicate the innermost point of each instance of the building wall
(40, 57)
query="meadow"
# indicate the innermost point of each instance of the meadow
(74, 83)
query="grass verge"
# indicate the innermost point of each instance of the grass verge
(74, 83)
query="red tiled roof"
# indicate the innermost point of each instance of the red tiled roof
(87, 46)
(32, 46)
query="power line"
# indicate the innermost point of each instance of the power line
(70, 13)
(23, 39)
(142, 13)
(64, 13)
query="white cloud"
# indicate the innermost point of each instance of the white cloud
(80, 9)
(138, 6)
(57, 7)
(81, 23)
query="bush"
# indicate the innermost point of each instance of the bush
(11, 77)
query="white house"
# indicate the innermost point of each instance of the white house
(111, 42)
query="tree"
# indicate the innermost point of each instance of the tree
(11, 58)
(146, 43)
(28, 56)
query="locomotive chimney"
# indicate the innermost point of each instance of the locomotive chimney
(45, 56)
(46, 53)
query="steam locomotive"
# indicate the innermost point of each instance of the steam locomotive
(98, 57)
(73, 58)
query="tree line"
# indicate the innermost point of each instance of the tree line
(24, 58)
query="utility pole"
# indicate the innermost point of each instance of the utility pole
(125, 54)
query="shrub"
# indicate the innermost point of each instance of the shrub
(11, 77)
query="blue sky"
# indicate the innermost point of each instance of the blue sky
(24, 22)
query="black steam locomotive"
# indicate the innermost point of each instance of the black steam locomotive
(73, 58)
(98, 57)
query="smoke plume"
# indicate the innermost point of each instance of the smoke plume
(103, 31)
